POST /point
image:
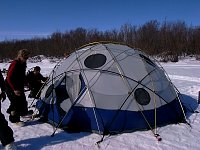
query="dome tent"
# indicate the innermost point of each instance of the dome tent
(110, 88)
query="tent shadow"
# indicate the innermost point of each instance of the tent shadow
(43, 141)
(190, 103)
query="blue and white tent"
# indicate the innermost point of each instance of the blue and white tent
(110, 88)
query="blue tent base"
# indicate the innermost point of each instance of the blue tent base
(112, 121)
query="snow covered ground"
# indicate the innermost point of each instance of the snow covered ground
(185, 75)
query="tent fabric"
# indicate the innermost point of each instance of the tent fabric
(110, 88)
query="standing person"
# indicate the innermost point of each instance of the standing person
(15, 87)
(6, 133)
(35, 81)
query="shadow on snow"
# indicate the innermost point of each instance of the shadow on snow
(43, 141)
(190, 103)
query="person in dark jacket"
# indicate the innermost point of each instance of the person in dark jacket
(6, 133)
(35, 81)
(14, 82)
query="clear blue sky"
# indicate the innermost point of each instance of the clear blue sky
(23, 19)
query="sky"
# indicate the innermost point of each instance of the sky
(23, 19)
(183, 74)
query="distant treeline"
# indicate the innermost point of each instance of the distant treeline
(167, 39)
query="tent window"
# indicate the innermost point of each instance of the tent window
(149, 61)
(49, 91)
(95, 61)
(142, 96)
(61, 92)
